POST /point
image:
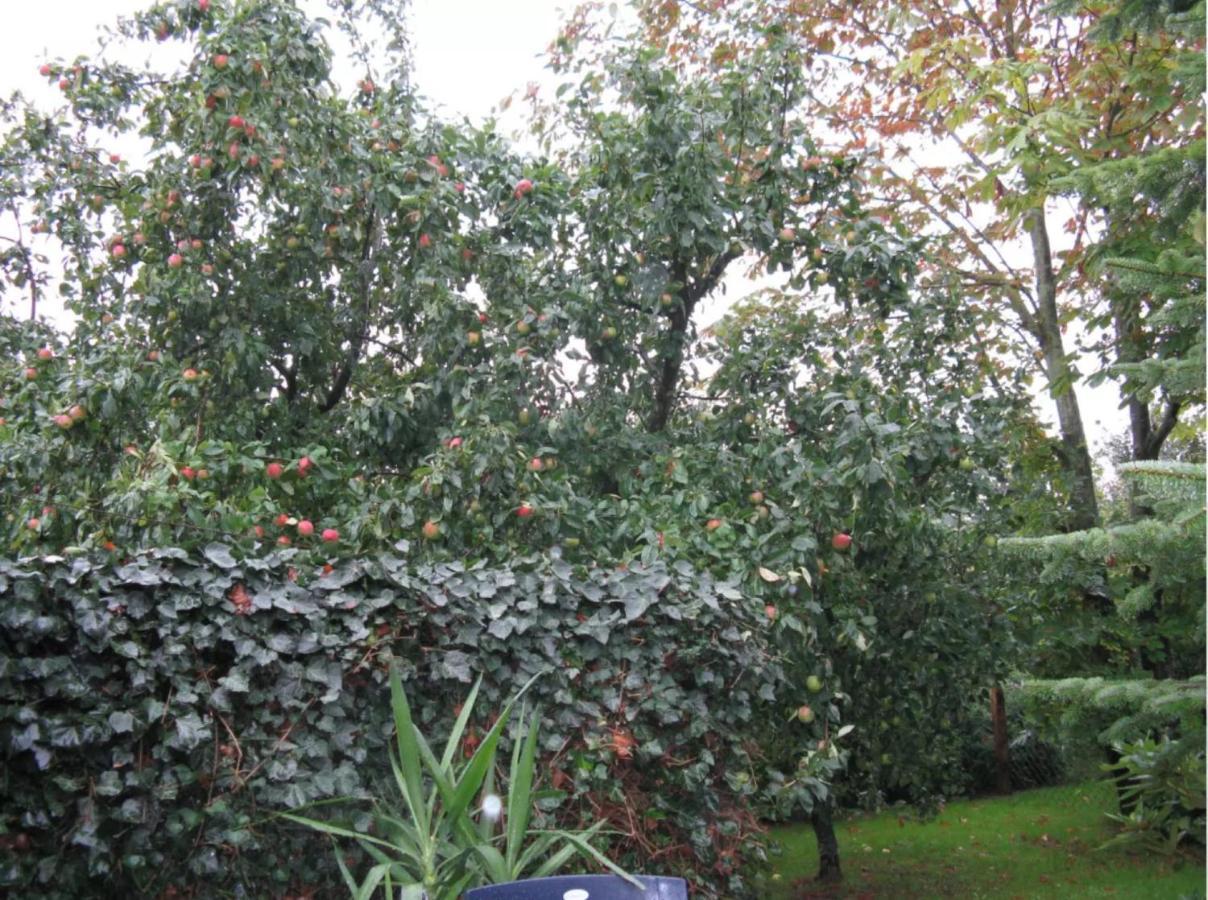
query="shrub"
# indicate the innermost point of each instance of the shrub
(1161, 789)
(160, 711)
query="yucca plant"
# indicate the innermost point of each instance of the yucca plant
(432, 847)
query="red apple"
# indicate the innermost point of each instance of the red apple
(115, 158)
(284, 540)
(118, 251)
(274, 470)
(755, 497)
(431, 530)
(63, 420)
(453, 443)
(425, 241)
(253, 161)
(523, 186)
(190, 374)
(139, 239)
(805, 714)
(330, 535)
(524, 511)
(771, 612)
(77, 413)
(207, 269)
(367, 87)
(187, 473)
(30, 373)
(258, 531)
(281, 521)
(221, 60)
(233, 150)
(713, 524)
(787, 234)
(203, 474)
(304, 465)
(33, 524)
(64, 84)
(841, 541)
(203, 5)
(175, 261)
(45, 70)
(535, 464)
(45, 353)
(306, 528)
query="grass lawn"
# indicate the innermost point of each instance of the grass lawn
(1031, 845)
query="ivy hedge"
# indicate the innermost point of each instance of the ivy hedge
(156, 712)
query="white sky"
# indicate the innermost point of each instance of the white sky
(468, 55)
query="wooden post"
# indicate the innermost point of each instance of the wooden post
(1002, 761)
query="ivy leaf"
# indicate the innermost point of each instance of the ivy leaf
(220, 555)
(121, 722)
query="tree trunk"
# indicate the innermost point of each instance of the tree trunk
(1076, 455)
(1002, 758)
(667, 380)
(679, 321)
(1126, 319)
(829, 871)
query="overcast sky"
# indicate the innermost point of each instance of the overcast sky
(468, 55)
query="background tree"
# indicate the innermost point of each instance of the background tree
(971, 114)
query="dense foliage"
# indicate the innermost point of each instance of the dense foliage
(158, 713)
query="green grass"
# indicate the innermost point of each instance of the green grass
(1034, 844)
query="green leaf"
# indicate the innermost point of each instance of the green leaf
(496, 867)
(520, 785)
(408, 751)
(328, 828)
(459, 727)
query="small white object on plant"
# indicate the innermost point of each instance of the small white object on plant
(492, 807)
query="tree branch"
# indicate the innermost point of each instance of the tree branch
(361, 332)
(1157, 437)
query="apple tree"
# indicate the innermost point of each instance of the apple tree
(281, 275)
